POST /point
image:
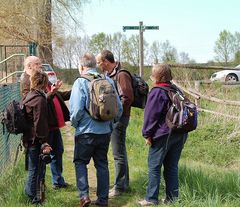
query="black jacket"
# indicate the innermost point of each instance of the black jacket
(52, 117)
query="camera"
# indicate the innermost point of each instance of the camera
(46, 158)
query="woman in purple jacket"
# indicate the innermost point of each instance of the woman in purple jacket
(163, 149)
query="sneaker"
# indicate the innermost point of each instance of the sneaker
(114, 192)
(146, 203)
(56, 186)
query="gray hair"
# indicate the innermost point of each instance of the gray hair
(88, 60)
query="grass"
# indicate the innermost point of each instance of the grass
(208, 171)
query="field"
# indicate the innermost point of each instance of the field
(209, 167)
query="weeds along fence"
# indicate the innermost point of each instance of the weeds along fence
(8, 145)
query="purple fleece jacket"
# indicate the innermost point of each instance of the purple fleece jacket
(155, 112)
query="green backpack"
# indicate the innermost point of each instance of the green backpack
(103, 104)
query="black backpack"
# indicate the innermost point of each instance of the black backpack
(13, 117)
(182, 114)
(140, 90)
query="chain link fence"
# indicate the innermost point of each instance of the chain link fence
(8, 144)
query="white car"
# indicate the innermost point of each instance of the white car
(47, 68)
(227, 75)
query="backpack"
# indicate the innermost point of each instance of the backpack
(13, 117)
(140, 90)
(182, 114)
(103, 104)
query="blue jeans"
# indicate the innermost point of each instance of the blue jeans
(118, 142)
(94, 146)
(33, 171)
(166, 151)
(56, 142)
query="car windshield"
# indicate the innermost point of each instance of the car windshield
(47, 67)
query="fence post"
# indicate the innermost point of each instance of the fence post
(197, 88)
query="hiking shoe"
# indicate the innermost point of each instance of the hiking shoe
(99, 203)
(56, 186)
(146, 203)
(85, 201)
(166, 201)
(114, 192)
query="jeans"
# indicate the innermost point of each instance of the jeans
(56, 142)
(94, 146)
(164, 151)
(118, 142)
(33, 171)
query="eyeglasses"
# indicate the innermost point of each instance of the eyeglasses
(100, 62)
(152, 78)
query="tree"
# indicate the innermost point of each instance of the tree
(236, 42)
(155, 52)
(184, 58)
(224, 47)
(131, 50)
(68, 50)
(117, 45)
(237, 58)
(99, 42)
(169, 53)
(24, 21)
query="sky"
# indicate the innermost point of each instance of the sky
(191, 26)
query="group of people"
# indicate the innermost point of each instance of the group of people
(47, 113)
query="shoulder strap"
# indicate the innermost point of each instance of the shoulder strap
(91, 76)
(126, 71)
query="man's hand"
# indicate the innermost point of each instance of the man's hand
(56, 86)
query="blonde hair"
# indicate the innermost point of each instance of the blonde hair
(161, 73)
(39, 80)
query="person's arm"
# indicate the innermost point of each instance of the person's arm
(125, 82)
(65, 94)
(152, 113)
(120, 107)
(77, 102)
(40, 119)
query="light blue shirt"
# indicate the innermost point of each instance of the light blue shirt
(79, 102)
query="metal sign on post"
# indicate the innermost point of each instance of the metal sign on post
(141, 29)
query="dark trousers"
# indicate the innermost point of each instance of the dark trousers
(33, 171)
(56, 142)
(94, 146)
(166, 151)
(118, 142)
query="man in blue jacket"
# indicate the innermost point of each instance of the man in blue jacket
(92, 136)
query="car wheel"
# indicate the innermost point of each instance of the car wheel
(231, 78)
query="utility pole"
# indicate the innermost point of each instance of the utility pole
(141, 29)
(141, 56)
